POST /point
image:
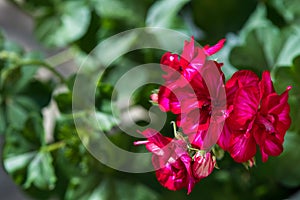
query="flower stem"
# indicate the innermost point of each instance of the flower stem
(54, 146)
(60, 58)
(38, 63)
(174, 129)
(6, 55)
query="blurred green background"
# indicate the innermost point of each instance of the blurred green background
(261, 35)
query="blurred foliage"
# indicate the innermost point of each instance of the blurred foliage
(266, 37)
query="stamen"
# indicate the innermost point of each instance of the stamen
(174, 129)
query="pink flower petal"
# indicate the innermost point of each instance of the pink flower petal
(266, 84)
(188, 51)
(246, 104)
(224, 139)
(240, 79)
(210, 50)
(273, 146)
(243, 147)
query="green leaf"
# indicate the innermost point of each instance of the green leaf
(2, 120)
(30, 138)
(217, 18)
(13, 47)
(9, 77)
(39, 92)
(26, 102)
(163, 13)
(290, 49)
(64, 102)
(35, 7)
(25, 158)
(16, 76)
(285, 76)
(287, 171)
(261, 49)
(34, 97)
(81, 187)
(68, 23)
(15, 163)
(289, 9)
(16, 115)
(128, 191)
(109, 188)
(27, 73)
(73, 158)
(105, 121)
(265, 46)
(1, 40)
(131, 11)
(40, 172)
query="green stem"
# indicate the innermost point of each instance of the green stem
(178, 135)
(54, 146)
(174, 129)
(6, 55)
(77, 114)
(60, 58)
(193, 149)
(38, 63)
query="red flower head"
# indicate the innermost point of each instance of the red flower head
(170, 160)
(184, 78)
(260, 116)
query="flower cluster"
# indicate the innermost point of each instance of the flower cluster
(239, 115)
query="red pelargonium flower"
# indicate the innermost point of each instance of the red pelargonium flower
(199, 92)
(180, 70)
(259, 116)
(208, 103)
(203, 164)
(196, 103)
(170, 160)
(273, 119)
(185, 74)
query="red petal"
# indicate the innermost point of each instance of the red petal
(214, 49)
(199, 57)
(164, 98)
(224, 139)
(246, 104)
(188, 50)
(156, 141)
(213, 80)
(273, 146)
(197, 139)
(240, 79)
(214, 131)
(284, 121)
(266, 85)
(169, 60)
(243, 147)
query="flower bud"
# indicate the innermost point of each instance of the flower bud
(154, 98)
(203, 164)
